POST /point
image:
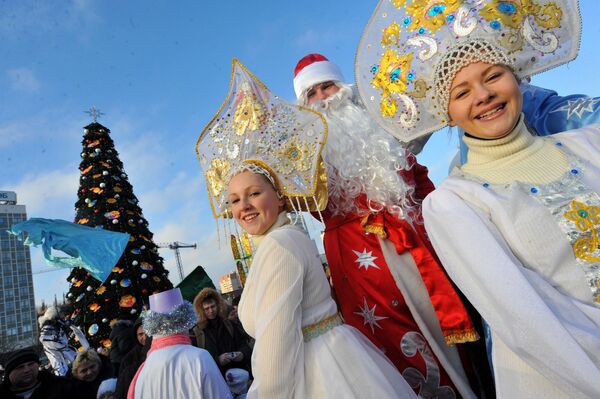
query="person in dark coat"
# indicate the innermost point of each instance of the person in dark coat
(133, 359)
(22, 377)
(89, 370)
(225, 339)
(122, 341)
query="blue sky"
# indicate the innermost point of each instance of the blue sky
(159, 70)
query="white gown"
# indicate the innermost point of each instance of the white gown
(510, 250)
(286, 290)
(181, 372)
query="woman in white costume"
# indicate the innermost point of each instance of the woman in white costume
(260, 156)
(517, 225)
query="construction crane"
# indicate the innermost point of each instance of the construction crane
(175, 247)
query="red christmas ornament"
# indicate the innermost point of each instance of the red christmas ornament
(106, 299)
(144, 292)
(96, 210)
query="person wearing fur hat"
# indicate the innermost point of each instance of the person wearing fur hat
(24, 379)
(173, 367)
(55, 340)
(225, 339)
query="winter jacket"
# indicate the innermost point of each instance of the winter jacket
(122, 340)
(51, 387)
(130, 363)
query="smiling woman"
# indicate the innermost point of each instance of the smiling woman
(254, 202)
(485, 100)
(516, 227)
(302, 347)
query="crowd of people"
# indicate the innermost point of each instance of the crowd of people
(108, 375)
(487, 286)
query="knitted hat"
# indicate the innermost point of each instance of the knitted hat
(18, 358)
(313, 69)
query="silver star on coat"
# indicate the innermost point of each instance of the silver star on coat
(365, 259)
(578, 107)
(368, 314)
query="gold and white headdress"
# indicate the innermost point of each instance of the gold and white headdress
(254, 129)
(411, 50)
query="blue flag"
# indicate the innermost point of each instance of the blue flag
(93, 249)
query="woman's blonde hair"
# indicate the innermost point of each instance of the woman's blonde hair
(89, 355)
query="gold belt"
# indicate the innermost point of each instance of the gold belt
(321, 327)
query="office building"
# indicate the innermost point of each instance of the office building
(18, 321)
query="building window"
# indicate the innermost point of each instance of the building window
(12, 331)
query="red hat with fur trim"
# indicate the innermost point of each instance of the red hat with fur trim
(313, 69)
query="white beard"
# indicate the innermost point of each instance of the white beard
(362, 158)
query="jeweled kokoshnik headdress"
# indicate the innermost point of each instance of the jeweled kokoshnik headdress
(411, 50)
(255, 128)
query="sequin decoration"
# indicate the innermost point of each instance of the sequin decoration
(216, 175)
(295, 156)
(430, 15)
(391, 77)
(391, 35)
(587, 220)
(249, 113)
(398, 3)
(576, 209)
(513, 12)
(319, 328)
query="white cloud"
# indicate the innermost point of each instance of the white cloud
(50, 194)
(23, 79)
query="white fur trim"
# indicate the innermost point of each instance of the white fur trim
(317, 72)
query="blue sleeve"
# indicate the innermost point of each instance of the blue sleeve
(547, 113)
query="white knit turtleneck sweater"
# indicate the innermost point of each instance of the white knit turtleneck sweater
(518, 156)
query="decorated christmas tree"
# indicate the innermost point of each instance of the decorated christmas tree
(106, 200)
